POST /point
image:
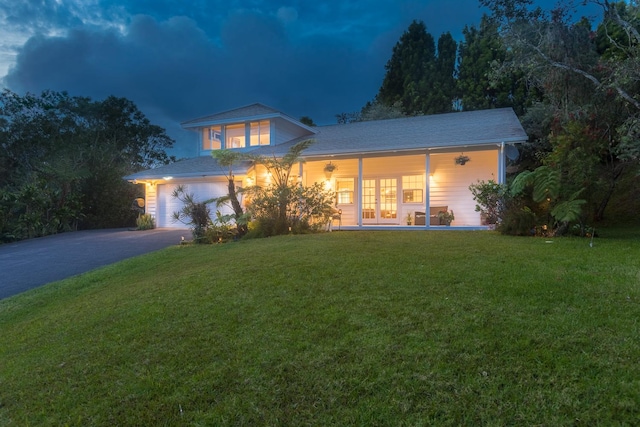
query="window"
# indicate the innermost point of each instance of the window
(260, 133)
(235, 136)
(344, 191)
(211, 138)
(412, 188)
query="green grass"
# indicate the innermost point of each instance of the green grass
(346, 328)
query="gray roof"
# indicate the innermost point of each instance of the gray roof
(439, 131)
(195, 167)
(463, 129)
(250, 112)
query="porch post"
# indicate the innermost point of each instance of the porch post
(359, 194)
(427, 191)
(502, 172)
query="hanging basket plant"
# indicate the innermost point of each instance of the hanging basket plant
(462, 159)
(329, 168)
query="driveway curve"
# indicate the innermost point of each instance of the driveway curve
(31, 263)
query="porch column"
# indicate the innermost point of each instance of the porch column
(502, 170)
(359, 194)
(427, 191)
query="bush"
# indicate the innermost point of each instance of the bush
(145, 222)
(518, 222)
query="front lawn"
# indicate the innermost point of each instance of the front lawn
(344, 328)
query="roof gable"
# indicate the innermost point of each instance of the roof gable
(247, 113)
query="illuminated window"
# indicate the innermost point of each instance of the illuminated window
(211, 138)
(260, 133)
(412, 188)
(235, 136)
(344, 191)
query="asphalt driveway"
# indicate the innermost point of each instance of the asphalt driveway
(31, 263)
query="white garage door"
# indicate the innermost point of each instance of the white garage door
(202, 191)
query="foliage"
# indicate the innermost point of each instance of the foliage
(477, 86)
(228, 158)
(518, 221)
(418, 78)
(63, 159)
(490, 199)
(335, 329)
(446, 217)
(194, 213)
(307, 209)
(283, 206)
(145, 222)
(590, 85)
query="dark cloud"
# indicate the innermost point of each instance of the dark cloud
(178, 60)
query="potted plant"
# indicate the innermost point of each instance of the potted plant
(462, 159)
(328, 169)
(409, 219)
(446, 217)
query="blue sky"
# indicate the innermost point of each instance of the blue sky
(179, 59)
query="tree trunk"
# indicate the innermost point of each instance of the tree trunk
(599, 213)
(237, 208)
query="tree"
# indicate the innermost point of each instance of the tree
(412, 59)
(227, 158)
(590, 86)
(444, 77)
(478, 87)
(307, 121)
(63, 158)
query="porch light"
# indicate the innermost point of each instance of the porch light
(167, 178)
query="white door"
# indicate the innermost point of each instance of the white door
(167, 204)
(380, 201)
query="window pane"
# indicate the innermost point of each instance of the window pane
(344, 189)
(412, 188)
(260, 133)
(235, 136)
(211, 138)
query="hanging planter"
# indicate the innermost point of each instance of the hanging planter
(462, 159)
(328, 169)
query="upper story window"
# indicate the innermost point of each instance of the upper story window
(260, 133)
(212, 138)
(235, 136)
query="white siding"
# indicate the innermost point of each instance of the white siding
(450, 182)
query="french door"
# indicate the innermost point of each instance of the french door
(380, 201)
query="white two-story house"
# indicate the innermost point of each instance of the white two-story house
(385, 171)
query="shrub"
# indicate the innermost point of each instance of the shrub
(145, 222)
(489, 197)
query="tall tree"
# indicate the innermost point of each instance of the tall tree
(445, 84)
(478, 86)
(412, 60)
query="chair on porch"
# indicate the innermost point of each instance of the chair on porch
(336, 215)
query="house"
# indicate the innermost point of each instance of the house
(385, 170)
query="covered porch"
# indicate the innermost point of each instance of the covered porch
(406, 190)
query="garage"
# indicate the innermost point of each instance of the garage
(202, 191)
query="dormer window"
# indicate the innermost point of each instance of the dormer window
(235, 136)
(212, 138)
(260, 133)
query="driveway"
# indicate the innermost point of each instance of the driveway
(31, 263)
